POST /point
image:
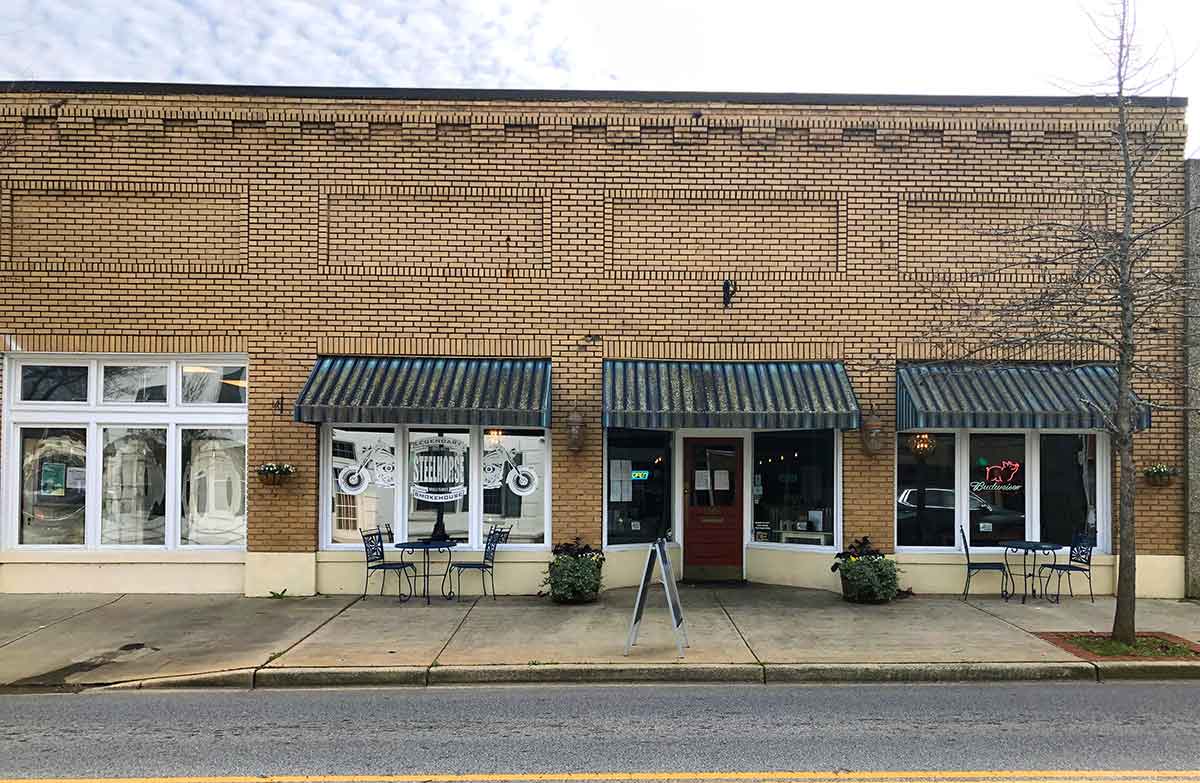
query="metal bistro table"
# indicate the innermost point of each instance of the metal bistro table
(425, 547)
(1028, 549)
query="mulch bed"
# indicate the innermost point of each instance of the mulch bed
(1063, 639)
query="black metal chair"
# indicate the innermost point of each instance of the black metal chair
(487, 566)
(1080, 562)
(373, 547)
(974, 568)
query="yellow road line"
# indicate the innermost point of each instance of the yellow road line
(1023, 776)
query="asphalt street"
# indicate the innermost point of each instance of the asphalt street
(601, 729)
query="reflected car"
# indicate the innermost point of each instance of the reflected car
(936, 526)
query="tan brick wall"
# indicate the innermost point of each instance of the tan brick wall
(286, 228)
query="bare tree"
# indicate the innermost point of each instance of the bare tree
(1101, 278)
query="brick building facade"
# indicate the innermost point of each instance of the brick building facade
(161, 238)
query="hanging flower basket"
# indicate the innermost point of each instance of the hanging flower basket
(1159, 475)
(275, 472)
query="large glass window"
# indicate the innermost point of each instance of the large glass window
(53, 485)
(792, 487)
(363, 482)
(997, 482)
(925, 489)
(514, 470)
(212, 487)
(165, 475)
(54, 383)
(135, 383)
(133, 486)
(639, 486)
(439, 483)
(1068, 487)
(214, 384)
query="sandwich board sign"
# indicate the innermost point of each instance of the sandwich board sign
(658, 552)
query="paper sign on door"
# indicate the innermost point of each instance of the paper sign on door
(721, 480)
(701, 480)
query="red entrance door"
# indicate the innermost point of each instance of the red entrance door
(712, 509)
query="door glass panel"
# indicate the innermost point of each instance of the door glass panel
(997, 476)
(53, 485)
(1068, 487)
(714, 478)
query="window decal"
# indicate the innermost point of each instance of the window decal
(376, 463)
(438, 470)
(522, 480)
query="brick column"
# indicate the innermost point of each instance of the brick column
(1192, 359)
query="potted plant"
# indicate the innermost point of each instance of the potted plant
(276, 472)
(867, 576)
(1159, 474)
(573, 576)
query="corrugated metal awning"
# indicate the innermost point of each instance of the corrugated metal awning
(758, 395)
(410, 390)
(1017, 396)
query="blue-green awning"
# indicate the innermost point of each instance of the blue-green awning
(647, 394)
(420, 390)
(1016, 396)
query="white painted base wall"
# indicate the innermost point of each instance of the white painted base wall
(122, 572)
(517, 572)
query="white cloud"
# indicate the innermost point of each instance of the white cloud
(932, 46)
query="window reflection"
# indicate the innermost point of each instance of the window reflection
(925, 489)
(213, 487)
(53, 485)
(133, 486)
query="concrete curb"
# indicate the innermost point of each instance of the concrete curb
(338, 676)
(230, 678)
(747, 673)
(928, 672)
(1147, 670)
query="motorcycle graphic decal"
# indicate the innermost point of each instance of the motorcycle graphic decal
(521, 480)
(377, 464)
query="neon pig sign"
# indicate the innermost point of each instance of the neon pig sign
(999, 478)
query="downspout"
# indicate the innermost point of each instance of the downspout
(1192, 365)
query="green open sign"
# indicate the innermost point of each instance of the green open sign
(639, 475)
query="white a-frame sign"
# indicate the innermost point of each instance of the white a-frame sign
(658, 551)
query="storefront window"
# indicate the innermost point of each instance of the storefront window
(363, 483)
(135, 383)
(925, 489)
(133, 486)
(997, 482)
(214, 384)
(1068, 487)
(54, 383)
(514, 470)
(53, 485)
(792, 487)
(639, 486)
(439, 483)
(212, 487)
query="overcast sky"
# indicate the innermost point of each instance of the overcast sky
(1021, 47)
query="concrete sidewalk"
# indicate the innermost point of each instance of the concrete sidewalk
(751, 633)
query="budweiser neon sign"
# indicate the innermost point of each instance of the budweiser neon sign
(999, 478)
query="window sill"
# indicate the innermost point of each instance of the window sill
(355, 555)
(779, 546)
(122, 555)
(634, 547)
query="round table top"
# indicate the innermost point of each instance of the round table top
(419, 544)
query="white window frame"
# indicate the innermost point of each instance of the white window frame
(94, 415)
(475, 522)
(1033, 521)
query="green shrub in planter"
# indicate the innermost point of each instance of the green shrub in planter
(867, 576)
(573, 576)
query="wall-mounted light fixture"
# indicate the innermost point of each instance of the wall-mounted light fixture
(871, 431)
(575, 431)
(921, 444)
(728, 290)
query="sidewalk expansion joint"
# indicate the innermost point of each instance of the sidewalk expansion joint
(80, 613)
(305, 637)
(742, 636)
(450, 638)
